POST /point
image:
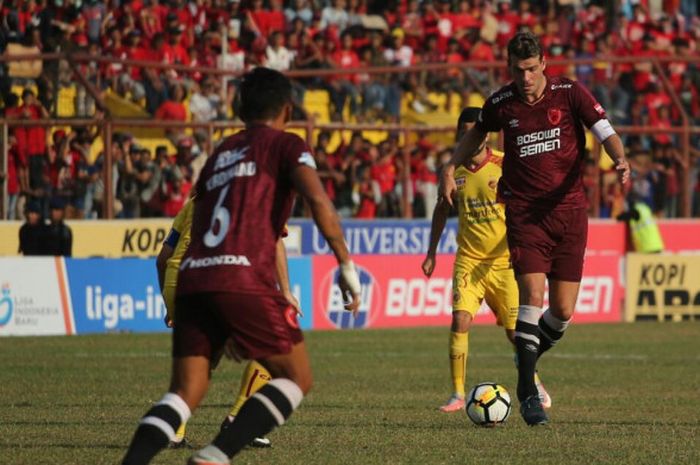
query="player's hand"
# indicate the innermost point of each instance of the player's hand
(623, 171)
(349, 282)
(448, 186)
(168, 321)
(428, 265)
(293, 302)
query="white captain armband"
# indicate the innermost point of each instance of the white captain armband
(602, 129)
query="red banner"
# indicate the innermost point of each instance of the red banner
(680, 235)
(396, 294)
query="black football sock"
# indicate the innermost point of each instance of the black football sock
(551, 330)
(156, 429)
(261, 413)
(527, 341)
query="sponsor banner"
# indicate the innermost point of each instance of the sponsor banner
(302, 288)
(33, 299)
(681, 236)
(101, 238)
(115, 295)
(408, 237)
(380, 237)
(662, 284)
(396, 294)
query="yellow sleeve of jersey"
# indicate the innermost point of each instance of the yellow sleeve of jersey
(183, 225)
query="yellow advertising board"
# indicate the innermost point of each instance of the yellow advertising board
(662, 285)
(101, 238)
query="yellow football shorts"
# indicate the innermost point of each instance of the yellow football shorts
(473, 282)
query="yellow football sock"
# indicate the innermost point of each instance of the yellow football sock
(180, 435)
(459, 350)
(254, 377)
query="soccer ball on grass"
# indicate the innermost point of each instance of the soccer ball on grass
(488, 404)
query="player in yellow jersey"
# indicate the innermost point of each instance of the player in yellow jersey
(168, 264)
(482, 269)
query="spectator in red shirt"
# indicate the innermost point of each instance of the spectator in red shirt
(366, 193)
(344, 86)
(173, 109)
(384, 172)
(16, 166)
(32, 145)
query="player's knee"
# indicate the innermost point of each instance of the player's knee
(461, 322)
(562, 312)
(534, 297)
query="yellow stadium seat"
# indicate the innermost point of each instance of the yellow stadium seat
(317, 103)
(65, 107)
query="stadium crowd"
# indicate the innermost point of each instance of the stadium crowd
(363, 178)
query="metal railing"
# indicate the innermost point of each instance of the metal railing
(109, 123)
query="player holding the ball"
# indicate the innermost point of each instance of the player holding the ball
(482, 269)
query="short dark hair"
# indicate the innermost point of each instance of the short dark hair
(468, 115)
(264, 93)
(524, 45)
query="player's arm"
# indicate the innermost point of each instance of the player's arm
(442, 210)
(308, 184)
(466, 149)
(594, 117)
(283, 275)
(614, 148)
(166, 251)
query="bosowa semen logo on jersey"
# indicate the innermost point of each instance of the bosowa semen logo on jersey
(333, 300)
(6, 305)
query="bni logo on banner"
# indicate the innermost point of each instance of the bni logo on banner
(332, 300)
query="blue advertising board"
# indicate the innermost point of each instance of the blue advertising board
(302, 288)
(122, 295)
(114, 295)
(379, 237)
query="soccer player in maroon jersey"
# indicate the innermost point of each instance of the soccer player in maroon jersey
(543, 121)
(227, 284)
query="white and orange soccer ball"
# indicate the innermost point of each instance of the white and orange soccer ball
(488, 404)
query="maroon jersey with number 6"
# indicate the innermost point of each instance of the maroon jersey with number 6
(544, 143)
(244, 198)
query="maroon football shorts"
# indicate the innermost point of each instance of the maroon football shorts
(547, 241)
(260, 325)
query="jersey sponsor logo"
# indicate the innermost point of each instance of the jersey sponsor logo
(500, 97)
(335, 312)
(460, 181)
(514, 123)
(245, 169)
(554, 116)
(307, 159)
(206, 262)
(599, 108)
(561, 86)
(230, 157)
(539, 142)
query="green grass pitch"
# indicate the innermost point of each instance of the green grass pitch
(623, 394)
